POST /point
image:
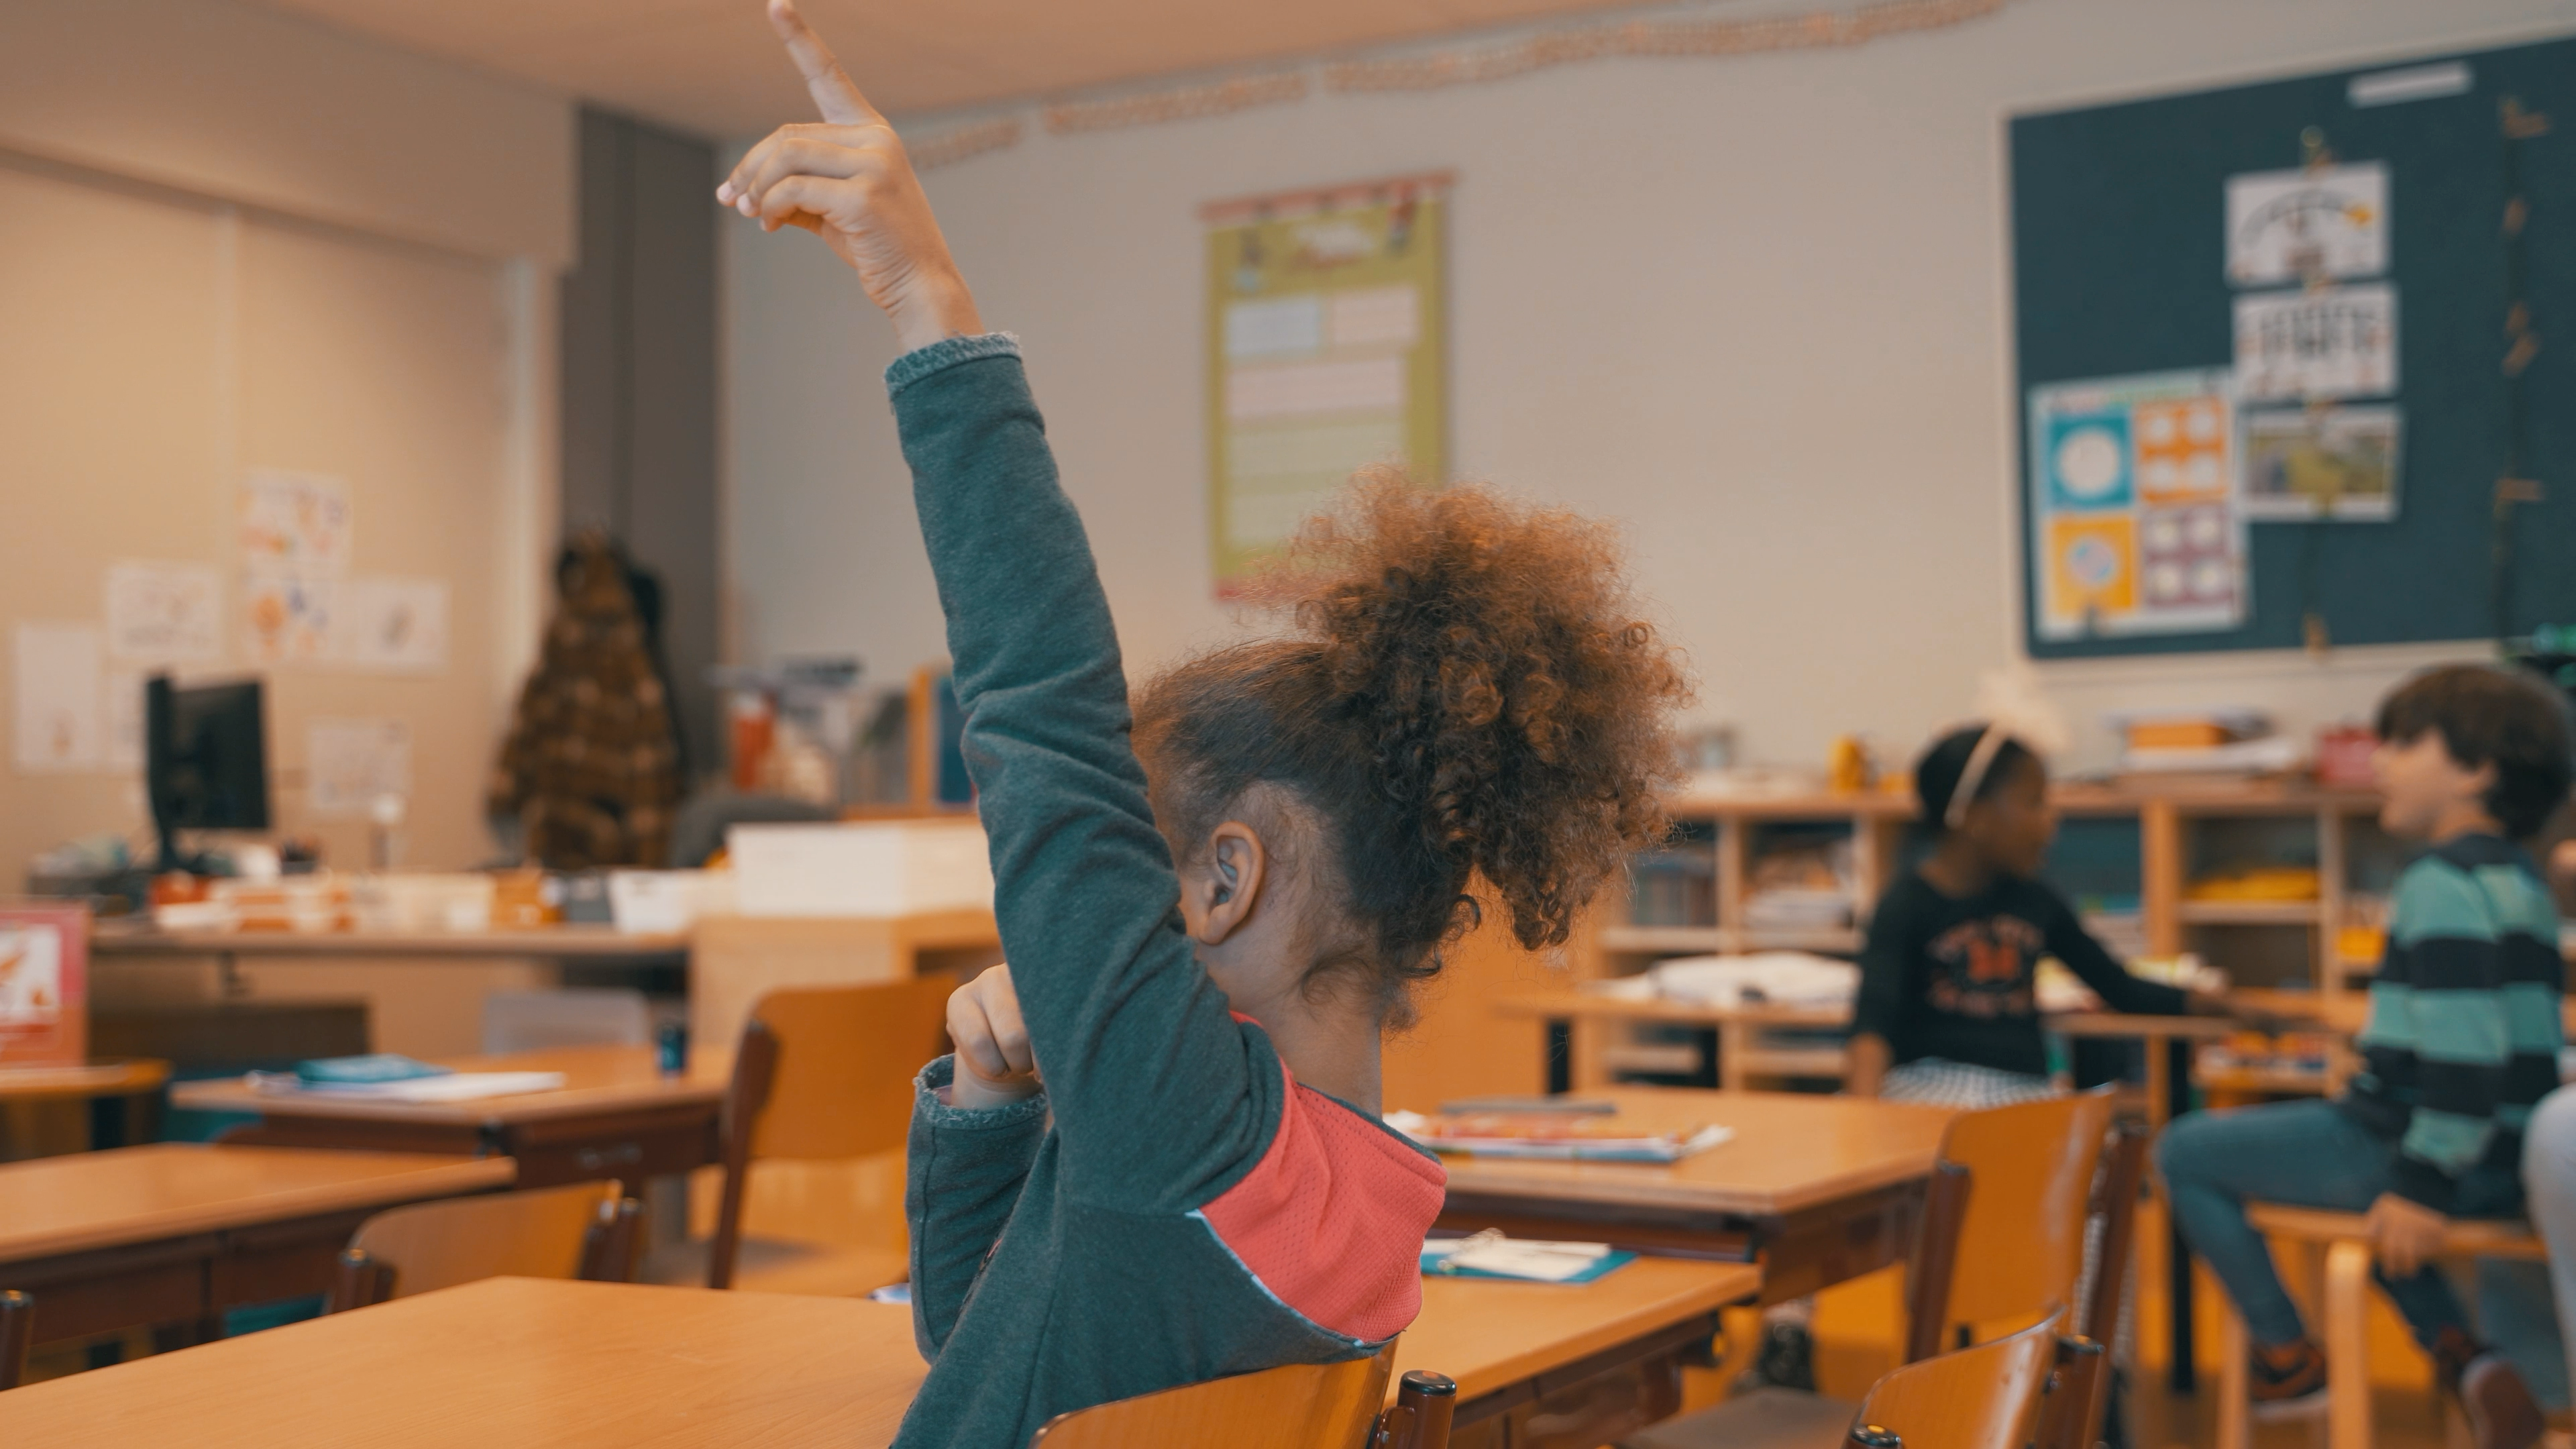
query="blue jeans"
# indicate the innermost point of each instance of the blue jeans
(2301, 1154)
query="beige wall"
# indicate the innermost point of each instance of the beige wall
(229, 242)
(1753, 308)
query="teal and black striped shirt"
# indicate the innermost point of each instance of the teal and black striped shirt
(2464, 1024)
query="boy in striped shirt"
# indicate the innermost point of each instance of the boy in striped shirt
(2462, 1040)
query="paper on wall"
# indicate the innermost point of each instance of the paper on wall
(2303, 346)
(286, 618)
(165, 613)
(294, 524)
(350, 763)
(2330, 462)
(389, 623)
(2295, 226)
(58, 697)
(2134, 519)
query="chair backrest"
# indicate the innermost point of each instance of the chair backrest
(823, 1072)
(573, 1231)
(1986, 1397)
(846, 1057)
(2019, 1251)
(1300, 1406)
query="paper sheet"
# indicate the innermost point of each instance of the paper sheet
(2305, 346)
(2286, 227)
(350, 763)
(294, 524)
(58, 684)
(388, 623)
(286, 618)
(2133, 506)
(165, 613)
(2336, 462)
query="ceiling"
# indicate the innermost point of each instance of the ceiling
(712, 66)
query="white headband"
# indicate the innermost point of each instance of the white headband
(1980, 760)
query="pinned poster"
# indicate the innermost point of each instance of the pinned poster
(44, 984)
(349, 764)
(2293, 227)
(58, 682)
(294, 524)
(165, 613)
(286, 618)
(2337, 463)
(1325, 354)
(2305, 346)
(2133, 506)
(387, 623)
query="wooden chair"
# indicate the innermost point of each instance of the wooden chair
(1987, 1397)
(2001, 1241)
(1300, 1406)
(583, 1230)
(17, 1335)
(823, 1073)
(2336, 1250)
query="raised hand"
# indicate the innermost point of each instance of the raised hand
(849, 182)
(994, 1062)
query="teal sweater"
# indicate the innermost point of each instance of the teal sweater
(1175, 1207)
(2464, 1023)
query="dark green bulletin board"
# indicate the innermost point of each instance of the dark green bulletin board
(2118, 222)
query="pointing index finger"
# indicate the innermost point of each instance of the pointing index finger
(829, 85)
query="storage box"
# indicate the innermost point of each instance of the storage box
(666, 902)
(876, 868)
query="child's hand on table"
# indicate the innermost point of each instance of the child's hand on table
(2404, 1234)
(849, 182)
(994, 1064)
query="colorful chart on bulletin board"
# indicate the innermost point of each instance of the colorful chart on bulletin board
(2133, 491)
(1325, 354)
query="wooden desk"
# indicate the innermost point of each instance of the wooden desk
(47, 1111)
(615, 1116)
(1613, 1347)
(510, 1363)
(1817, 1189)
(175, 1233)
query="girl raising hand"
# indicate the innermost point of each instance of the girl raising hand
(1156, 1156)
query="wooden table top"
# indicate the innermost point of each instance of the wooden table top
(95, 1079)
(126, 1195)
(586, 942)
(1790, 1151)
(1489, 1334)
(510, 1363)
(597, 1079)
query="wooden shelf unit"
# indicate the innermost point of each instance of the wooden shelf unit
(2167, 818)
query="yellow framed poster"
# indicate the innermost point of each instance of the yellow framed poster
(1326, 320)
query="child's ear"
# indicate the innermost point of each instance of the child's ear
(1229, 884)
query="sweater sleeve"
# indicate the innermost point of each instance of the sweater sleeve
(2462, 1038)
(1160, 1099)
(2070, 943)
(963, 1168)
(1886, 957)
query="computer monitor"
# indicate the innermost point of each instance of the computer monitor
(205, 760)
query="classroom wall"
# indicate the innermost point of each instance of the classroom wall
(230, 241)
(1753, 308)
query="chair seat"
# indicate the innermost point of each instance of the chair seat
(778, 1265)
(2467, 1237)
(1762, 1419)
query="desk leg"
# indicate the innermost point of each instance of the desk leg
(1557, 1066)
(2176, 1100)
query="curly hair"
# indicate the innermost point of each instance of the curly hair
(1468, 689)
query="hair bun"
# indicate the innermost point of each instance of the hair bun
(1515, 703)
